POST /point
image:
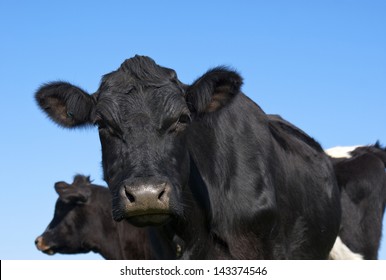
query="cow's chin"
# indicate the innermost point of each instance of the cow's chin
(149, 220)
(49, 252)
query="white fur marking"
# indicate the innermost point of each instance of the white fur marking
(341, 151)
(341, 252)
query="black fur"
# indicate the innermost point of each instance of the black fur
(82, 223)
(229, 182)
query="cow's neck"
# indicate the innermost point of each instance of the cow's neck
(110, 246)
(220, 145)
(133, 241)
(105, 241)
(193, 232)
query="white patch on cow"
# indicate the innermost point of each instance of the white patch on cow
(341, 151)
(341, 252)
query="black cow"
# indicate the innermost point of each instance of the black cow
(83, 222)
(205, 159)
(362, 180)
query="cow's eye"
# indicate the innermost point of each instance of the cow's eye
(105, 127)
(184, 119)
(180, 124)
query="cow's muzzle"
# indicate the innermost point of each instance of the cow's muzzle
(146, 204)
(41, 246)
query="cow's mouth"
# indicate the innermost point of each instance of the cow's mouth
(49, 251)
(149, 219)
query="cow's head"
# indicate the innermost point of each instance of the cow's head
(71, 223)
(143, 113)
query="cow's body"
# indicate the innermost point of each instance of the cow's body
(83, 222)
(362, 180)
(205, 160)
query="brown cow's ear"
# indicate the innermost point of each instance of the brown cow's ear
(66, 104)
(214, 90)
(72, 194)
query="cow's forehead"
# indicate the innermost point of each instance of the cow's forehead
(140, 86)
(145, 68)
(156, 104)
(139, 71)
(118, 85)
(118, 82)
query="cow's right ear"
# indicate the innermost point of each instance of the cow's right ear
(71, 194)
(213, 90)
(66, 104)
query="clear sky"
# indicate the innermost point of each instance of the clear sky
(319, 64)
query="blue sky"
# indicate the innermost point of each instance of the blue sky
(319, 64)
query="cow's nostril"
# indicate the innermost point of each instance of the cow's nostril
(161, 194)
(130, 197)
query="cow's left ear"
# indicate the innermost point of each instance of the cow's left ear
(214, 90)
(66, 104)
(71, 194)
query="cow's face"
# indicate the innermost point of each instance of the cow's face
(142, 123)
(143, 113)
(66, 232)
